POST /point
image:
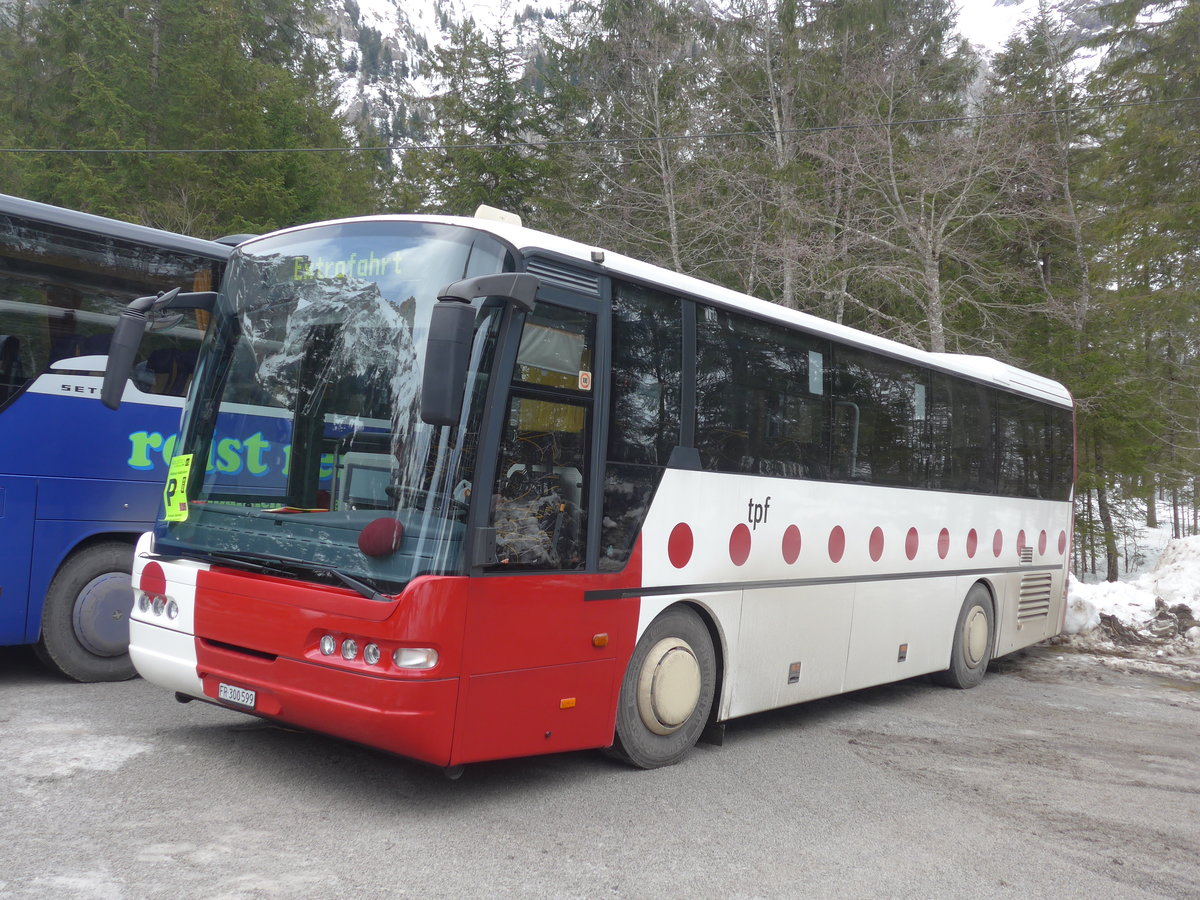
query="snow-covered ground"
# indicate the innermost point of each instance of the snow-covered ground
(1147, 618)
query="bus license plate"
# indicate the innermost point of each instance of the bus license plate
(240, 696)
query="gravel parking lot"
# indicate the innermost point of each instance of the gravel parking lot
(1064, 774)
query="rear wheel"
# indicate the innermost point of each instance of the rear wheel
(85, 622)
(668, 690)
(973, 635)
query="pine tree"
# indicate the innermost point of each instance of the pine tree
(1150, 76)
(21, 72)
(485, 123)
(175, 75)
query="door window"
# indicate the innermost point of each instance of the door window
(540, 499)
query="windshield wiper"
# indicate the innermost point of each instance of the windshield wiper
(278, 565)
(367, 590)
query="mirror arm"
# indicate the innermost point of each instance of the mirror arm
(205, 300)
(519, 287)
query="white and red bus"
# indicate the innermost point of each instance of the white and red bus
(461, 490)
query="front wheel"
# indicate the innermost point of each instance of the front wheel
(973, 635)
(668, 690)
(85, 622)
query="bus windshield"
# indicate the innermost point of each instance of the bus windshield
(305, 410)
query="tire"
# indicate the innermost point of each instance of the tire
(85, 621)
(667, 693)
(974, 635)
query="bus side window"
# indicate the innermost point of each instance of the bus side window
(171, 369)
(881, 419)
(1029, 440)
(647, 348)
(12, 375)
(961, 437)
(643, 423)
(762, 405)
(1062, 443)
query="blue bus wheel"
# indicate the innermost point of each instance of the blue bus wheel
(85, 621)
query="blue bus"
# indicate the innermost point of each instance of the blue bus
(79, 482)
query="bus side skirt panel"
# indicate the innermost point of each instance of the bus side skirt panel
(17, 501)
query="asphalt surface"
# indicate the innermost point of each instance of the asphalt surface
(1062, 775)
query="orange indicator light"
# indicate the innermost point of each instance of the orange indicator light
(600, 640)
(566, 703)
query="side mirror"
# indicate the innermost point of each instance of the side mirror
(126, 339)
(127, 336)
(451, 324)
(447, 355)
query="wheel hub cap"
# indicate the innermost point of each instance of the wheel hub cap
(975, 631)
(101, 614)
(668, 686)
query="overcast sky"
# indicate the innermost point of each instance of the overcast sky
(984, 23)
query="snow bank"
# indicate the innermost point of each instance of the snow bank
(1144, 608)
(1176, 575)
(1128, 601)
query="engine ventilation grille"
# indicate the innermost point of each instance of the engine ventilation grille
(564, 276)
(1027, 556)
(1035, 596)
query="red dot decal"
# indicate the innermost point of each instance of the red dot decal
(837, 543)
(998, 543)
(154, 580)
(791, 544)
(912, 543)
(1042, 541)
(679, 546)
(972, 543)
(943, 543)
(1062, 543)
(739, 544)
(876, 544)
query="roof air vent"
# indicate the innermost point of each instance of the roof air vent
(497, 215)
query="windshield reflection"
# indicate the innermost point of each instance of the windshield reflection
(305, 409)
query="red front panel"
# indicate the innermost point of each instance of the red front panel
(263, 634)
(526, 664)
(531, 711)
